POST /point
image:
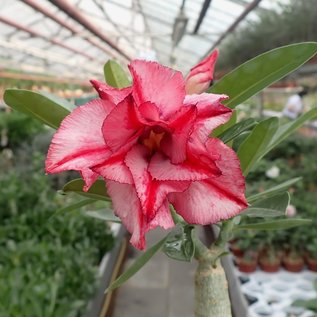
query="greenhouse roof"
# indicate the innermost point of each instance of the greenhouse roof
(72, 39)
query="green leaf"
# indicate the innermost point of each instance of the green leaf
(240, 139)
(279, 224)
(286, 129)
(310, 304)
(105, 214)
(136, 266)
(58, 100)
(179, 244)
(269, 207)
(237, 129)
(43, 108)
(255, 145)
(115, 76)
(274, 190)
(74, 206)
(262, 71)
(96, 191)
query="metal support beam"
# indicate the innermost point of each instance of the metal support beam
(202, 15)
(33, 33)
(232, 27)
(36, 6)
(76, 15)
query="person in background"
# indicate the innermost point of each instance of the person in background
(294, 105)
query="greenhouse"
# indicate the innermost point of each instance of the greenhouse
(158, 158)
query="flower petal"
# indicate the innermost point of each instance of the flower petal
(152, 193)
(210, 114)
(163, 217)
(215, 199)
(174, 144)
(79, 144)
(201, 75)
(122, 125)
(127, 207)
(110, 93)
(161, 168)
(158, 84)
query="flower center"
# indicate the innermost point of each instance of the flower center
(152, 142)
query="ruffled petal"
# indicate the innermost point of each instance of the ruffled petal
(79, 143)
(127, 207)
(201, 75)
(174, 144)
(122, 125)
(151, 193)
(210, 114)
(158, 84)
(161, 168)
(210, 201)
(110, 93)
(163, 217)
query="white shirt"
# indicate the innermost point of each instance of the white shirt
(293, 107)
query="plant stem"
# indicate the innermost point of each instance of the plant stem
(211, 287)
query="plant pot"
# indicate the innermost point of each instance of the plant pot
(270, 266)
(311, 263)
(246, 266)
(236, 250)
(293, 264)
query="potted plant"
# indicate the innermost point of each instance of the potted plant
(311, 255)
(270, 256)
(293, 261)
(248, 262)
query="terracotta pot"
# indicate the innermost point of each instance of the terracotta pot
(236, 250)
(246, 267)
(270, 266)
(311, 263)
(293, 265)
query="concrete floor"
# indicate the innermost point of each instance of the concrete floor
(162, 288)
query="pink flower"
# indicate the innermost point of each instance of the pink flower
(151, 144)
(201, 75)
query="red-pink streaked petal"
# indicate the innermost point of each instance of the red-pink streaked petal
(215, 199)
(127, 207)
(158, 84)
(163, 217)
(79, 143)
(201, 75)
(110, 93)
(122, 125)
(151, 193)
(174, 144)
(89, 177)
(115, 169)
(161, 168)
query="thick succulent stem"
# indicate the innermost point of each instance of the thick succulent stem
(211, 287)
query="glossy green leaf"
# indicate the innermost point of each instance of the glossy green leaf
(239, 140)
(286, 129)
(43, 108)
(97, 190)
(105, 214)
(262, 71)
(274, 206)
(237, 129)
(179, 244)
(59, 100)
(74, 206)
(274, 190)
(279, 224)
(255, 145)
(115, 76)
(136, 266)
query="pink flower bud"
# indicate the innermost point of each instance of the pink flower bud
(201, 75)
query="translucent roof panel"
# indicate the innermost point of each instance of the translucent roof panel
(74, 38)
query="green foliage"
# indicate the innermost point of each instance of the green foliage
(295, 22)
(45, 108)
(19, 127)
(48, 261)
(115, 76)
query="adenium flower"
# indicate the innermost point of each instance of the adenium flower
(201, 75)
(150, 143)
